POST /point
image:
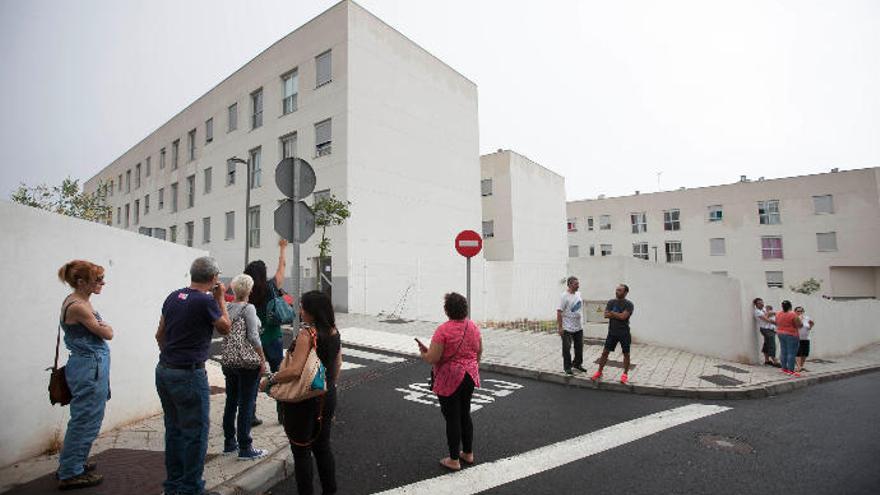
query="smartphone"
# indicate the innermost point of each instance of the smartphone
(421, 345)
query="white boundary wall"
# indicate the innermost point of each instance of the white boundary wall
(140, 273)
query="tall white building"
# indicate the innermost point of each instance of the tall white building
(385, 125)
(767, 233)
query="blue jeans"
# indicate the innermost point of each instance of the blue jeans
(274, 351)
(788, 346)
(88, 376)
(185, 401)
(241, 395)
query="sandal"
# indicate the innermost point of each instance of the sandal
(450, 464)
(466, 458)
(84, 480)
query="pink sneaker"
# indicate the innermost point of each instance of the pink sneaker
(596, 376)
(624, 379)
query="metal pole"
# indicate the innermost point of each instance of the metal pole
(247, 213)
(295, 271)
(469, 284)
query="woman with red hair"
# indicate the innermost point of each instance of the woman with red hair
(87, 372)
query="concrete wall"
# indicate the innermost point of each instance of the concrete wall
(675, 307)
(140, 272)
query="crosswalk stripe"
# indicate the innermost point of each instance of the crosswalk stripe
(382, 358)
(348, 365)
(492, 474)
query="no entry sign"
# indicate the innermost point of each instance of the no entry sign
(468, 243)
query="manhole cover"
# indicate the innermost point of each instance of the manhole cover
(730, 368)
(729, 444)
(721, 380)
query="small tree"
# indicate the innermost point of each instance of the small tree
(809, 286)
(329, 211)
(66, 199)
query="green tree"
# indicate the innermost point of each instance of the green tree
(67, 199)
(329, 211)
(809, 286)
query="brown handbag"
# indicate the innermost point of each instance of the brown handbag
(301, 389)
(59, 392)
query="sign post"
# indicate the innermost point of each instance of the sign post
(294, 220)
(468, 244)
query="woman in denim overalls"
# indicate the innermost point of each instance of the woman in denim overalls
(87, 372)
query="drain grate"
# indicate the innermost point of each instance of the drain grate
(724, 443)
(616, 364)
(722, 381)
(730, 368)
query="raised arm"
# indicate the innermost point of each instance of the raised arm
(282, 263)
(221, 324)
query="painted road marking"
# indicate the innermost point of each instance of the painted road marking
(492, 474)
(421, 393)
(348, 365)
(382, 358)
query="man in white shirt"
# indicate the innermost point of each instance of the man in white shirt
(765, 325)
(569, 327)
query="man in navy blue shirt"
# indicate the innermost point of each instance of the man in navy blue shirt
(618, 311)
(189, 318)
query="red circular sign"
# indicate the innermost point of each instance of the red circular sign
(468, 243)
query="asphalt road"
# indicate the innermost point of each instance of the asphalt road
(823, 439)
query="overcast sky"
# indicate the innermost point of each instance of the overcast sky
(607, 94)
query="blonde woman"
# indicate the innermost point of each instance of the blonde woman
(242, 381)
(87, 372)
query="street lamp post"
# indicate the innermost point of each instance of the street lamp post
(247, 206)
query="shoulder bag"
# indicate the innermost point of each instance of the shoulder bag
(278, 312)
(237, 352)
(312, 382)
(59, 392)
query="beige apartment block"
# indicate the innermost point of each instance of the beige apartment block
(385, 124)
(767, 233)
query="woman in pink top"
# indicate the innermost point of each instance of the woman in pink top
(455, 352)
(787, 325)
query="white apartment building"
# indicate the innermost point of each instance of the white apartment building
(385, 125)
(767, 233)
(523, 237)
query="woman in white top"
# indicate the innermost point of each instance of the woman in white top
(804, 335)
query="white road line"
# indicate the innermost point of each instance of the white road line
(485, 476)
(382, 358)
(347, 365)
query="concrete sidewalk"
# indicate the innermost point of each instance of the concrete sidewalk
(656, 371)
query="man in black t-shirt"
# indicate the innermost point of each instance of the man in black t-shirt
(618, 311)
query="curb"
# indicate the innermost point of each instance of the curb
(255, 480)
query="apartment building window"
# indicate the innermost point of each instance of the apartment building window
(174, 197)
(127, 214)
(605, 249)
(771, 247)
(639, 222)
(161, 198)
(230, 225)
(120, 182)
(716, 213)
(147, 204)
(571, 225)
(127, 181)
(232, 117)
(590, 224)
(488, 229)
(191, 145)
(147, 162)
(717, 247)
(190, 233)
(321, 195)
(290, 86)
(257, 108)
(486, 187)
(207, 178)
(673, 252)
(573, 251)
(137, 211)
(672, 219)
(110, 189)
(230, 172)
(209, 130)
(172, 233)
(256, 170)
(323, 138)
(774, 280)
(175, 154)
(640, 250)
(288, 145)
(190, 191)
(118, 215)
(604, 222)
(137, 176)
(323, 69)
(159, 233)
(254, 227)
(592, 250)
(826, 242)
(768, 212)
(206, 230)
(823, 205)
(162, 159)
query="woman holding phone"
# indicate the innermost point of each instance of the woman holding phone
(455, 352)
